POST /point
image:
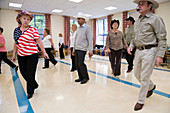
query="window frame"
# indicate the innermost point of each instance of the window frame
(34, 24)
(105, 29)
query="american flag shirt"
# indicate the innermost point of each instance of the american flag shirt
(25, 41)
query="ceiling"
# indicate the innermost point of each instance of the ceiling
(92, 7)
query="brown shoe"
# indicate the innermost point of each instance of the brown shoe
(150, 92)
(128, 71)
(138, 106)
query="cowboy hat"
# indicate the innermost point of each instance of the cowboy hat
(81, 15)
(113, 21)
(130, 18)
(23, 12)
(155, 3)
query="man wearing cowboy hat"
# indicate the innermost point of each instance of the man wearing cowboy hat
(128, 35)
(83, 42)
(150, 41)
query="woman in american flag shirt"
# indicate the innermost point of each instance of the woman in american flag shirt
(26, 40)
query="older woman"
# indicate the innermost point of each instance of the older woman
(72, 39)
(26, 40)
(61, 46)
(115, 43)
(48, 42)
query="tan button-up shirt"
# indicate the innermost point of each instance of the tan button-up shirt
(129, 33)
(115, 41)
(150, 30)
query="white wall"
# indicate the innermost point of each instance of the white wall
(90, 23)
(164, 12)
(57, 26)
(119, 16)
(8, 23)
(134, 14)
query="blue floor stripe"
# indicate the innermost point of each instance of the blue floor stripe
(25, 106)
(23, 102)
(123, 81)
(126, 63)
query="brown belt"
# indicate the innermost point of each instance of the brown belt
(146, 47)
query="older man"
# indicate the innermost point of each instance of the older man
(150, 41)
(128, 35)
(83, 42)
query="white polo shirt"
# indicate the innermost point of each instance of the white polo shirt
(46, 42)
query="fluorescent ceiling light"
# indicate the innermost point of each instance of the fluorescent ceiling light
(88, 15)
(15, 5)
(110, 8)
(57, 10)
(77, 1)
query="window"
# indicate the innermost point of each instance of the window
(38, 22)
(101, 31)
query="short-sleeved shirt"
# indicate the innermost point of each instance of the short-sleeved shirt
(46, 41)
(2, 41)
(72, 39)
(61, 41)
(26, 44)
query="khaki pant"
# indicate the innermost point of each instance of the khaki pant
(143, 67)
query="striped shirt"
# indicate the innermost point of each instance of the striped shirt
(25, 42)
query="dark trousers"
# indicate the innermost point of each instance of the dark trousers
(28, 66)
(61, 51)
(73, 60)
(115, 60)
(81, 66)
(3, 56)
(51, 58)
(129, 58)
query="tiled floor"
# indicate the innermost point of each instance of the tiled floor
(58, 93)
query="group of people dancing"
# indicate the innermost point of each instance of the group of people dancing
(146, 36)
(27, 41)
